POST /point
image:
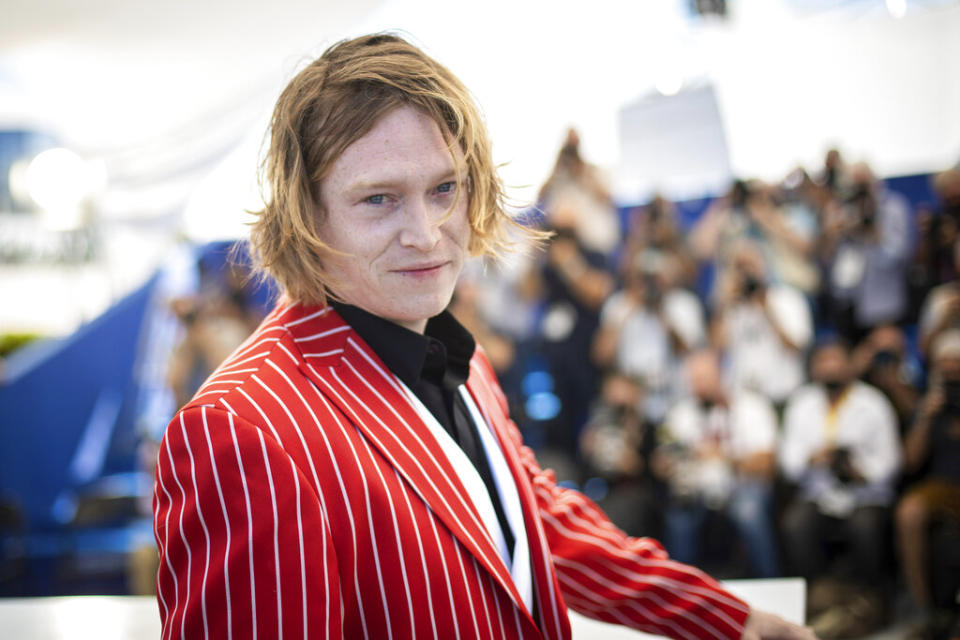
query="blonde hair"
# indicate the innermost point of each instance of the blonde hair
(330, 104)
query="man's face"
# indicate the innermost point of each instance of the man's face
(388, 202)
(831, 367)
(703, 370)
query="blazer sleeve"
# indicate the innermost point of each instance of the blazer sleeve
(607, 575)
(227, 567)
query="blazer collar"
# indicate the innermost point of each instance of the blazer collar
(347, 371)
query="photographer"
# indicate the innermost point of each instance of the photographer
(941, 308)
(883, 360)
(841, 450)
(572, 283)
(939, 230)
(615, 445)
(646, 327)
(865, 246)
(932, 446)
(716, 453)
(764, 328)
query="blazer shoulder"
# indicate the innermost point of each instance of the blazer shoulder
(271, 342)
(289, 340)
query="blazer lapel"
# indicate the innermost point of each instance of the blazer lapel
(350, 374)
(546, 587)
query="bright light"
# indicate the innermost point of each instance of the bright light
(897, 8)
(670, 84)
(58, 181)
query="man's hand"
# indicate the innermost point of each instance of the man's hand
(823, 457)
(933, 402)
(766, 626)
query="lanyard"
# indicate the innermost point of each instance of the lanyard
(831, 424)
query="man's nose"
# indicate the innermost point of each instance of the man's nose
(421, 225)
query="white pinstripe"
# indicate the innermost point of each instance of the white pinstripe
(173, 470)
(276, 532)
(322, 334)
(163, 601)
(323, 354)
(446, 577)
(224, 402)
(317, 314)
(226, 520)
(163, 548)
(466, 587)
(303, 561)
(483, 594)
(246, 496)
(423, 556)
(203, 524)
(498, 608)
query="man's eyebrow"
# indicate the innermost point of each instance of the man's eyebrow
(386, 183)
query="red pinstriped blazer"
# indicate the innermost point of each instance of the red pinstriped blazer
(299, 495)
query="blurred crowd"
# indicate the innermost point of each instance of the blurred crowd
(771, 390)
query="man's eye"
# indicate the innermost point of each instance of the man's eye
(377, 199)
(446, 187)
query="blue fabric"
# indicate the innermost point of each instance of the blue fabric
(56, 391)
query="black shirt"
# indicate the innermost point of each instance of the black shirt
(433, 366)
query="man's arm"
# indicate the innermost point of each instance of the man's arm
(607, 575)
(228, 568)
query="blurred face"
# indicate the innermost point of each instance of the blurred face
(749, 261)
(620, 391)
(831, 367)
(703, 370)
(392, 208)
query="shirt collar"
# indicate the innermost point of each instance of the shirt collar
(441, 355)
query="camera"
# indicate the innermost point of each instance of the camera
(951, 392)
(740, 194)
(841, 465)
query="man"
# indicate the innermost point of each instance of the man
(335, 478)
(717, 453)
(866, 245)
(841, 448)
(764, 328)
(932, 451)
(645, 329)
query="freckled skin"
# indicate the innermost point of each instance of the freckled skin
(388, 202)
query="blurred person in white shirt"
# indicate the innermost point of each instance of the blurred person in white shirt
(841, 449)
(717, 452)
(866, 242)
(940, 311)
(764, 328)
(647, 326)
(582, 187)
